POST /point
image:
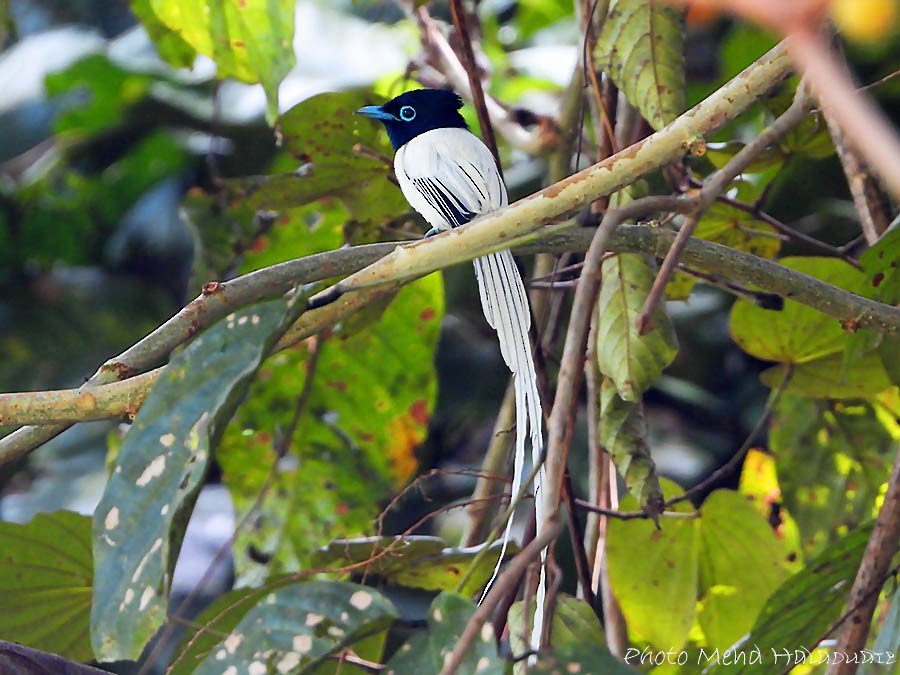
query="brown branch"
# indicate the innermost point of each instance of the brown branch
(507, 579)
(873, 571)
(484, 120)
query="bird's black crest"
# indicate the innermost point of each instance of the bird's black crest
(415, 112)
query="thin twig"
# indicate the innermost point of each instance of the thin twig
(509, 576)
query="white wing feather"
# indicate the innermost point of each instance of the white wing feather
(449, 176)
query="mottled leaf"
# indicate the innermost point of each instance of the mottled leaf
(633, 361)
(641, 47)
(412, 561)
(250, 40)
(623, 434)
(881, 265)
(140, 520)
(361, 420)
(834, 459)
(447, 618)
(296, 626)
(797, 614)
(46, 573)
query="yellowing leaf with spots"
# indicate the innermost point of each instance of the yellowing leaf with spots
(250, 40)
(364, 412)
(297, 626)
(45, 584)
(139, 523)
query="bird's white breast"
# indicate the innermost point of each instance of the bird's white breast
(460, 162)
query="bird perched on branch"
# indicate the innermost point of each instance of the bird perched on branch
(449, 176)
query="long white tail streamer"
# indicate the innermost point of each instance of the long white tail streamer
(506, 309)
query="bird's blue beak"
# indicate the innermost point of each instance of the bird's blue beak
(375, 112)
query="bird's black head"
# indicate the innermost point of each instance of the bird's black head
(416, 112)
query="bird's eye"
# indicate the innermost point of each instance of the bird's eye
(407, 113)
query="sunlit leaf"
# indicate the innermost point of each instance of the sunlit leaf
(447, 618)
(654, 572)
(833, 459)
(798, 613)
(827, 378)
(297, 626)
(250, 40)
(797, 333)
(140, 520)
(622, 433)
(731, 226)
(632, 360)
(170, 45)
(741, 564)
(46, 573)
(641, 47)
(360, 422)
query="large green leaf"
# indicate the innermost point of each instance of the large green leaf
(46, 573)
(797, 333)
(632, 360)
(834, 459)
(641, 47)
(359, 422)
(294, 627)
(729, 225)
(324, 137)
(623, 434)
(170, 45)
(741, 564)
(798, 613)
(828, 378)
(654, 573)
(447, 618)
(140, 520)
(249, 40)
(412, 561)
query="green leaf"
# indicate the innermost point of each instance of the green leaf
(45, 584)
(413, 561)
(881, 265)
(249, 40)
(797, 333)
(623, 434)
(653, 573)
(170, 45)
(323, 135)
(834, 459)
(729, 225)
(826, 377)
(360, 422)
(447, 618)
(799, 612)
(641, 47)
(140, 520)
(719, 154)
(741, 564)
(297, 626)
(632, 360)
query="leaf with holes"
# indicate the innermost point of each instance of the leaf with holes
(797, 333)
(250, 40)
(46, 571)
(363, 415)
(632, 360)
(641, 47)
(140, 520)
(297, 626)
(426, 652)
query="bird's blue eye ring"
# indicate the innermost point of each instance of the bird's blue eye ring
(407, 113)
